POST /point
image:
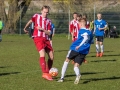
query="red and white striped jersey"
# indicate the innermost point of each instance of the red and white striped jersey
(88, 25)
(74, 28)
(72, 25)
(44, 23)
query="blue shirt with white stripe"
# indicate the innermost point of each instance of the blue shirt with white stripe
(84, 49)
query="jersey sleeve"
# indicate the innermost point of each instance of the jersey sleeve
(105, 24)
(71, 26)
(33, 18)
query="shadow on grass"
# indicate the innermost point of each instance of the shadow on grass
(4, 66)
(9, 41)
(98, 79)
(3, 74)
(84, 73)
(104, 51)
(104, 60)
(106, 55)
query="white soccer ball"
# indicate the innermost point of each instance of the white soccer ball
(53, 72)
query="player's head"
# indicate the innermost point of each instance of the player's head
(99, 16)
(0, 18)
(75, 15)
(79, 17)
(83, 22)
(45, 11)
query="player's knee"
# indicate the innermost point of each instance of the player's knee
(101, 43)
(67, 60)
(76, 65)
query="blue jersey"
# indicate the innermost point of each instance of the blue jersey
(99, 24)
(52, 28)
(84, 49)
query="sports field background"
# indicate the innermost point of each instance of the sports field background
(19, 66)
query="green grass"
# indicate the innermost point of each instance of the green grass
(19, 66)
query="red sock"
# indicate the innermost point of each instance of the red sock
(50, 63)
(43, 64)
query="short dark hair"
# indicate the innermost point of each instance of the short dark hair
(75, 13)
(79, 15)
(45, 7)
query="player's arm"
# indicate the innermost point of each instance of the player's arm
(104, 26)
(46, 31)
(28, 23)
(85, 38)
(53, 31)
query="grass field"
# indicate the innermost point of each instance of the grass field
(19, 66)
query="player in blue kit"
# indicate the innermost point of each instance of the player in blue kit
(78, 50)
(52, 32)
(100, 26)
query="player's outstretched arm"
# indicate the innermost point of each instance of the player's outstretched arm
(84, 41)
(28, 23)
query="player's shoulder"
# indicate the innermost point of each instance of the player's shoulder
(73, 21)
(95, 21)
(48, 20)
(103, 21)
(36, 14)
(85, 31)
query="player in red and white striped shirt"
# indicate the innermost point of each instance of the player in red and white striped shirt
(73, 27)
(42, 29)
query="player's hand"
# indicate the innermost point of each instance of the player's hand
(26, 31)
(39, 28)
(100, 28)
(77, 47)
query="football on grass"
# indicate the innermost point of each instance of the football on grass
(53, 72)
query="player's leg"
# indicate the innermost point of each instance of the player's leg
(70, 56)
(50, 59)
(77, 72)
(97, 46)
(78, 61)
(101, 46)
(44, 66)
(65, 65)
(42, 61)
(39, 42)
(64, 68)
(49, 51)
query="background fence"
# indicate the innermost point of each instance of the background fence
(61, 18)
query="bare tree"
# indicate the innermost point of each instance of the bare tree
(14, 11)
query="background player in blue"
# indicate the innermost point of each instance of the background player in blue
(100, 26)
(52, 32)
(78, 50)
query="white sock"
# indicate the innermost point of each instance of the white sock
(97, 48)
(77, 71)
(64, 69)
(102, 48)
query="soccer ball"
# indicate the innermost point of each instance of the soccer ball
(53, 72)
